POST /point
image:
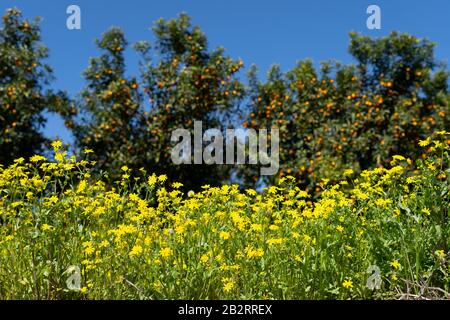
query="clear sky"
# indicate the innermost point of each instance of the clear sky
(257, 31)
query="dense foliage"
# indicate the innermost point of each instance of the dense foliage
(23, 97)
(352, 116)
(339, 117)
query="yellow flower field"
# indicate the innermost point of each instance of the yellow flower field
(143, 238)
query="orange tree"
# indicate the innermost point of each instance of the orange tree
(344, 117)
(187, 83)
(109, 109)
(23, 96)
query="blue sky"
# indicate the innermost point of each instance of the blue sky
(257, 31)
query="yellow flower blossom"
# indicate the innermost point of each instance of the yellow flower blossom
(135, 251)
(224, 235)
(395, 264)
(46, 227)
(347, 284)
(166, 252)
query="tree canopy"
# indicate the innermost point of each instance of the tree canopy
(338, 117)
(24, 93)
